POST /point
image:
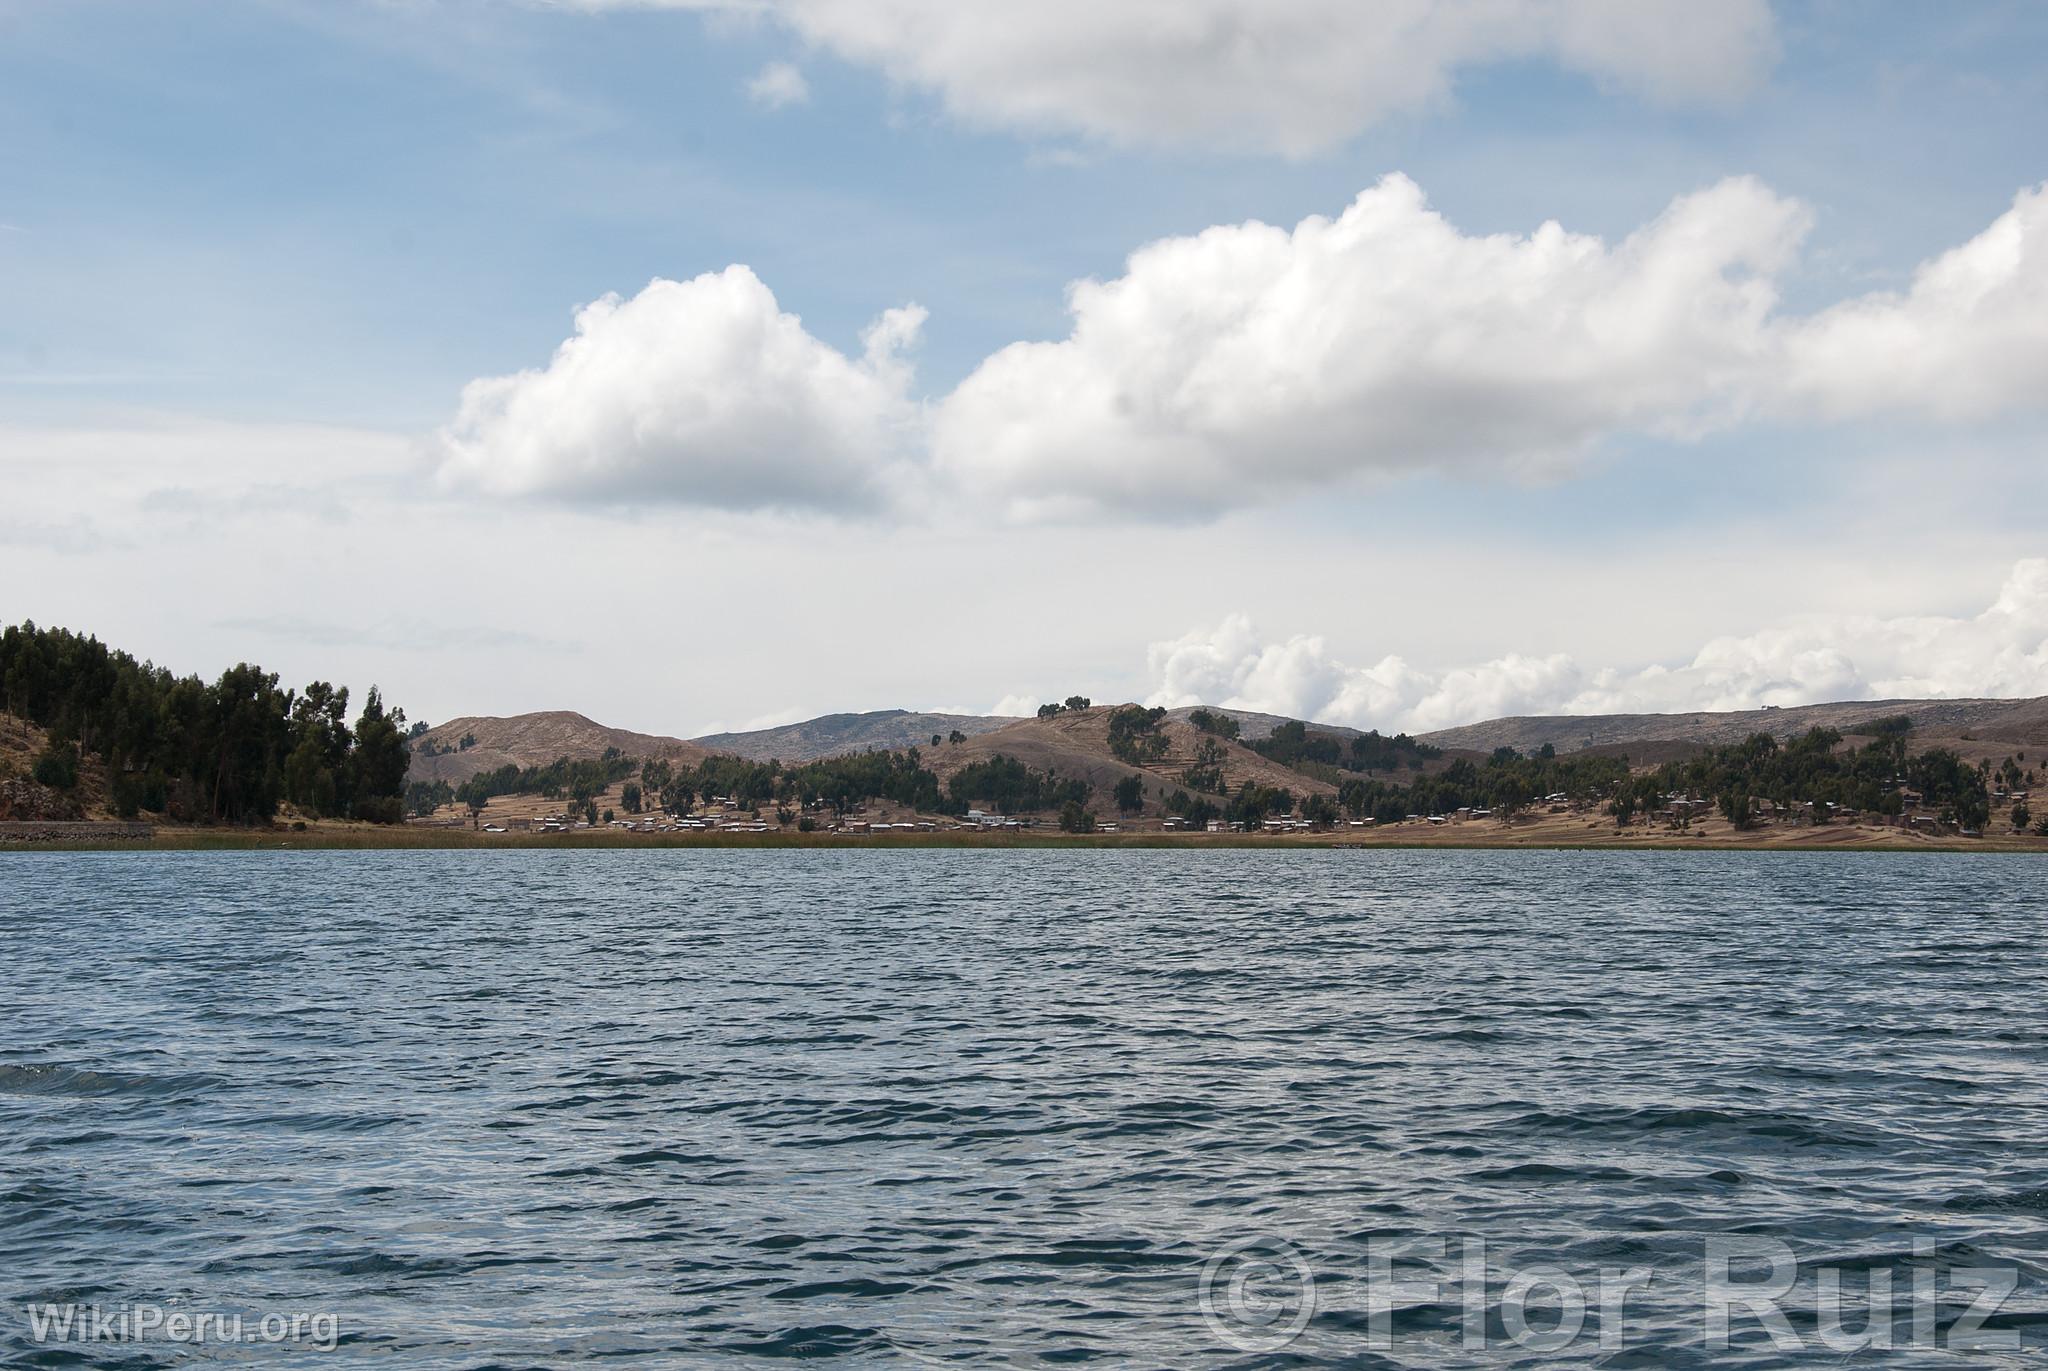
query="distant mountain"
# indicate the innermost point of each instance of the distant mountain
(834, 735)
(1076, 744)
(531, 740)
(2008, 721)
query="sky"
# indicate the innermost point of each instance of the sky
(708, 364)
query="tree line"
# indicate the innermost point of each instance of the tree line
(225, 751)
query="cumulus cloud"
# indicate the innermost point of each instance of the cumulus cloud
(701, 390)
(1969, 335)
(1291, 76)
(1249, 362)
(778, 85)
(1249, 359)
(2002, 651)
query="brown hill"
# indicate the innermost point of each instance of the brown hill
(1076, 745)
(835, 735)
(2004, 721)
(531, 740)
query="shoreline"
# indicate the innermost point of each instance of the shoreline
(366, 837)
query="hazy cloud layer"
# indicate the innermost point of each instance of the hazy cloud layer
(2002, 651)
(1249, 362)
(1287, 76)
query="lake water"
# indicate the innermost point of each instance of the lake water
(967, 1108)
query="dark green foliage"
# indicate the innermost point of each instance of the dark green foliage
(57, 766)
(1506, 783)
(1130, 794)
(843, 782)
(1292, 744)
(1209, 721)
(424, 797)
(629, 798)
(579, 780)
(1253, 802)
(229, 751)
(1011, 787)
(1134, 735)
(1207, 772)
(1075, 819)
(956, 736)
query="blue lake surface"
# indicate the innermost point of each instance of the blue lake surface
(975, 1108)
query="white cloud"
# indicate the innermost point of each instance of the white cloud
(778, 85)
(1292, 76)
(1249, 359)
(1249, 362)
(699, 390)
(1969, 335)
(1018, 706)
(2002, 651)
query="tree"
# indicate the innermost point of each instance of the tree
(2021, 816)
(936, 740)
(678, 795)
(477, 800)
(956, 736)
(378, 763)
(1077, 702)
(1320, 811)
(57, 766)
(1735, 807)
(1074, 819)
(629, 798)
(1134, 735)
(1130, 794)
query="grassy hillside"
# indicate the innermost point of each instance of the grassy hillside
(531, 740)
(1989, 721)
(835, 735)
(1076, 744)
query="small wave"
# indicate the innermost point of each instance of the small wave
(50, 1079)
(1546, 1171)
(814, 1340)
